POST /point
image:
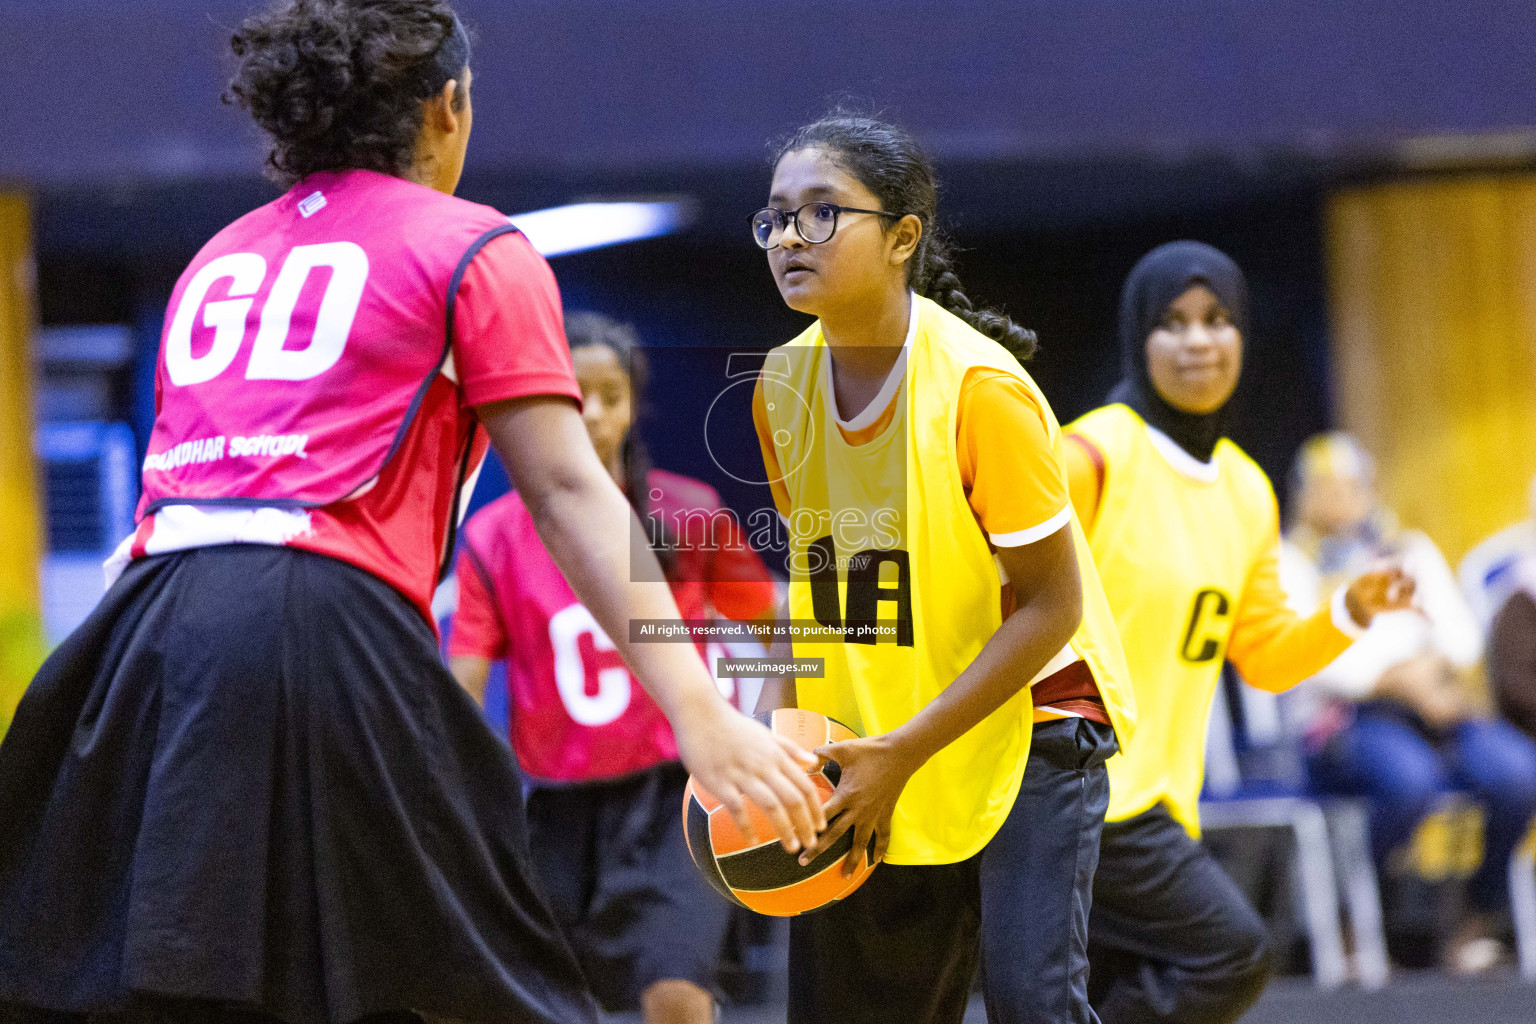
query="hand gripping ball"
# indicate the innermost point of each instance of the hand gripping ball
(763, 876)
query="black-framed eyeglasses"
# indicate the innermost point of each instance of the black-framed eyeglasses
(814, 222)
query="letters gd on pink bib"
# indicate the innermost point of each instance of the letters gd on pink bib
(302, 338)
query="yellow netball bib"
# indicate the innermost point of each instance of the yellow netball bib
(1175, 541)
(884, 548)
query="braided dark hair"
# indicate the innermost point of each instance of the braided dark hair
(888, 161)
(339, 84)
(583, 329)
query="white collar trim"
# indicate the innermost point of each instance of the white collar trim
(1183, 463)
(871, 412)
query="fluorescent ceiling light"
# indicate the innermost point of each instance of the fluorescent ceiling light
(581, 226)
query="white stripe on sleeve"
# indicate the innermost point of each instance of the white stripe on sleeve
(1344, 622)
(1018, 538)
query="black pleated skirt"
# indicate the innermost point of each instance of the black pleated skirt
(248, 778)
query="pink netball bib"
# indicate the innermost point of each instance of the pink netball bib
(301, 341)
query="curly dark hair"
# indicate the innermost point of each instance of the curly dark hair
(888, 161)
(339, 84)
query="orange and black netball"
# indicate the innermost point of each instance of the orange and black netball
(762, 875)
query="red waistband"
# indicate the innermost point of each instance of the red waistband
(1071, 691)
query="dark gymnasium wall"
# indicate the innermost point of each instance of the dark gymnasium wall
(1072, 136)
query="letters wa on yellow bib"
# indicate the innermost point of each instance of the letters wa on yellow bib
(881, 535)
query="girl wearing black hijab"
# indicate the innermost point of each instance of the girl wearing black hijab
(1185, 531)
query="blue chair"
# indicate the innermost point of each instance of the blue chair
(1255, 778)
(1522, 903)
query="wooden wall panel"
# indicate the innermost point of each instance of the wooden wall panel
(1433, 295)
(21, 532)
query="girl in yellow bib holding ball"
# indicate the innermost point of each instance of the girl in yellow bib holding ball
(965, 636)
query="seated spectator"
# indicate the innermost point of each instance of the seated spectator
(1488, 574)
(1512, 648)
(1392, 722)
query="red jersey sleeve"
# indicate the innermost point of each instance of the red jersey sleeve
(477, 631)
(740, 587)
(508, 331)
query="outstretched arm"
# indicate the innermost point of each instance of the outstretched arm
(594, 537)
(1274, 648)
